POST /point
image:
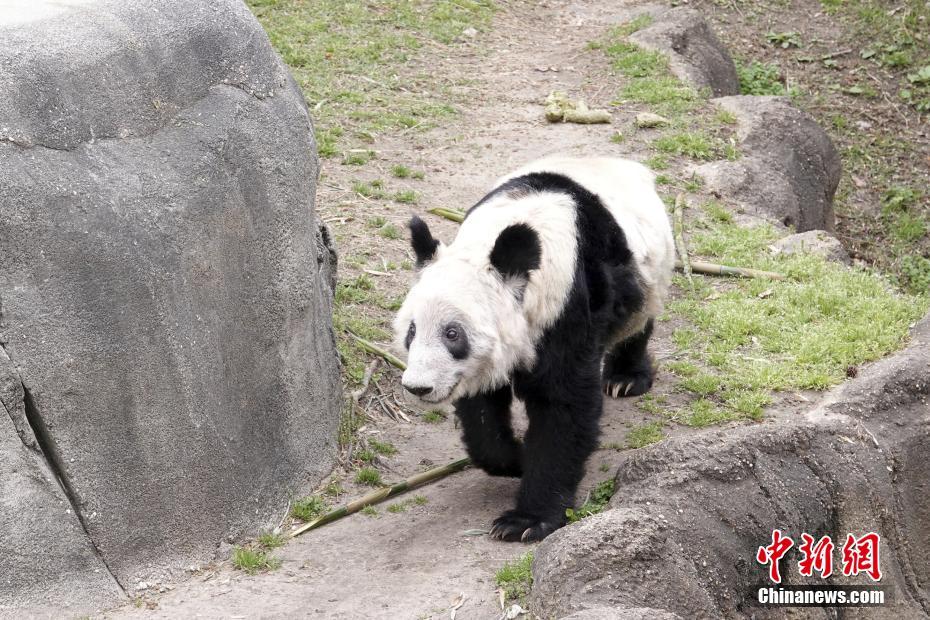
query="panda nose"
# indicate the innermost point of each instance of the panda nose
(418, 390)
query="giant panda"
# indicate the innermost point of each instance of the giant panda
(548, 293)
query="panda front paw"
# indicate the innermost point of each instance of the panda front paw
(514, 526)
(634, 384)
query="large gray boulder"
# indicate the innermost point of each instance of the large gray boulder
(788, 170)
(690, 513)
(165, 292)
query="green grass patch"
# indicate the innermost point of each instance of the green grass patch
(369, 511)
(657, 162)
(253, 561)
(385, 448)
(516, 578)
(644, 435)
(390, 231)
(369, 476)
(353, 60)
(407, 196)
(760, 336)
(271, 540)
(694, 144)
(434, 416)
(649, 80)
(398, 507)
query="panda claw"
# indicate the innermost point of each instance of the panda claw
(517, 526)
(628, 384)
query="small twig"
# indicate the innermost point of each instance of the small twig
(380, 495)
(373, 348)
(679, 231)
(366, 379)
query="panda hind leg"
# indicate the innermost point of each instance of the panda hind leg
(628, 369)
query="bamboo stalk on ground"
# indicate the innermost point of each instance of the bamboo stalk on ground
(373, 348)
(703, 267)
(678, 226)
(375, 497)
(714, 269)
(449, 214)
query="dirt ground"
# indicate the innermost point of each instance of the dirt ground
(416, 563)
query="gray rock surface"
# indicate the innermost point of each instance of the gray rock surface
(695, 53)
(689, 514)
(788, 170)
(165, 289)
(817, 242)
(46, 554)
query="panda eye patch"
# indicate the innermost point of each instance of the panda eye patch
(411, 332)
(455, 339)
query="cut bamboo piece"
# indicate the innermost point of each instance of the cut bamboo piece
(722, 270)
(449, 214)
(375, 497)
(373, 348)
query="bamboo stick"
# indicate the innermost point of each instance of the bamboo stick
(714, 269)
(373, 348)
(449, 214)
(678, 218)
(375, 497)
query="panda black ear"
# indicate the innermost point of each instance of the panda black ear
(422, 240)
(516, 252)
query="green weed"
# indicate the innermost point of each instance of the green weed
(369, 476)
(516, 578)
(644, 435)
(252, 561)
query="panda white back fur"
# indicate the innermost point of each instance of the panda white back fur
(565, 260)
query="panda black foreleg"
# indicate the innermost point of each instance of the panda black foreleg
(487, 433)
(628, 368)
(563, 432)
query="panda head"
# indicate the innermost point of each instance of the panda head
(462, 325)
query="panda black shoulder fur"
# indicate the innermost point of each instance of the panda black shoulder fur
(548, 293)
